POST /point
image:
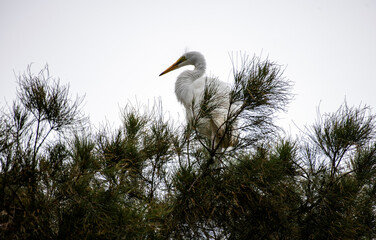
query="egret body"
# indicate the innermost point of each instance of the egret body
(190, 89)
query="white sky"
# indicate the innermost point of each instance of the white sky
(113, 51)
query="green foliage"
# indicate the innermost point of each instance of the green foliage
(339, 201)
(260, 90)
(150, 180)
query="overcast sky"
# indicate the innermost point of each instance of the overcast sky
(113, 51)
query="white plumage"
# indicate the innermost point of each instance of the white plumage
(190, 89)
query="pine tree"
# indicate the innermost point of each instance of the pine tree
(151, 179)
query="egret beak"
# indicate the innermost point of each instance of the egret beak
(174, 66)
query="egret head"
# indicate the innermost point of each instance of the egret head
(188, 58)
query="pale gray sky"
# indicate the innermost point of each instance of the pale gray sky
(113, 51)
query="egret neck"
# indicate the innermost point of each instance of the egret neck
(184, 85)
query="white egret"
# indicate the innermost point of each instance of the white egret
(190, 89)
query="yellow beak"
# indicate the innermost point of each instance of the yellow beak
(174, 66)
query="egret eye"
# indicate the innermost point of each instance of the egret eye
(182, 59)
